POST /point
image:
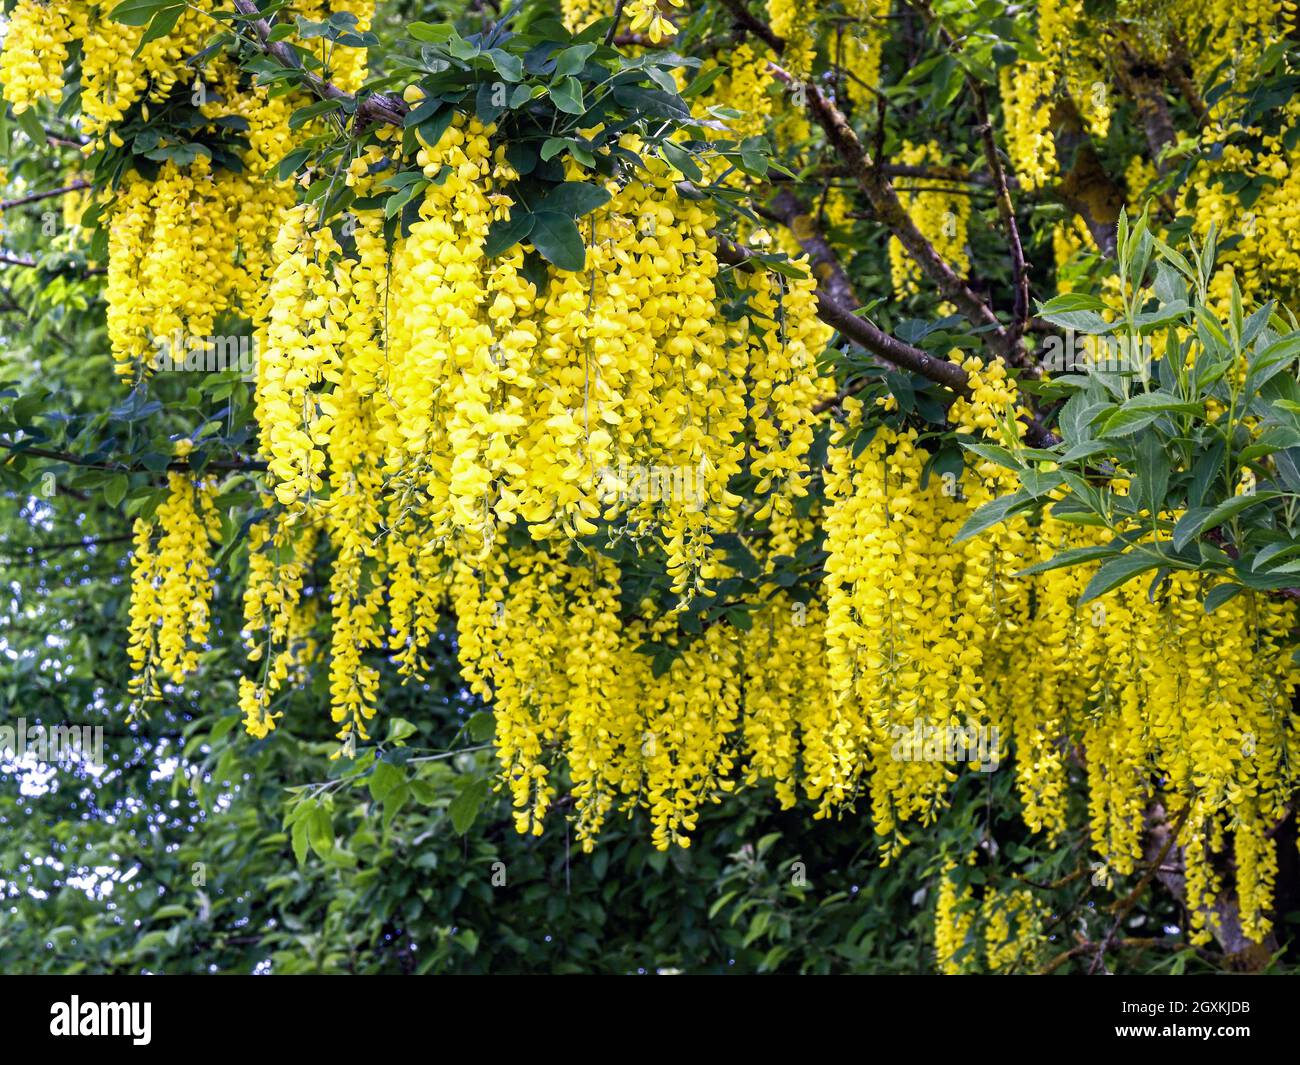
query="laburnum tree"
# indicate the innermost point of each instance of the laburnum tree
(681, 419)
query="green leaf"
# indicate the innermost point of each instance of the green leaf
(161, 25)
(553, 146)
(291, 163)
(1142, 410)
(682, 160)
(432, 129)
(115, 489)
(1204, 470)
(1082, 450)
(1071, 301)
(1230, 508)
(482, 726)
(1220, 594)
(320, 831)
(567, 96)
(1274, 551)
(138, 12)
(393, 803)
(1189, 526)
(1079, 321)
(31, 125)
(399, 199)
(299, 837)
(1038, 482)
(992, 513)
(383, 779)
(465, 806)
(505, 233)
(557, 238)
(651, 102)
(1118, 571)
(303, 115)
(1153, 469)
(1074, 557)
(398, 729)
(430, 33)
(993, 453)
(574, 198)
(461, 48)
(703, 81)
(573, 59)
(510, 67)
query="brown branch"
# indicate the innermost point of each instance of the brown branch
(786, 209)
(1177, 69)
(1120, 944)
(25, 551)
(1060, 882)
(220, 465)
(1143, 82)
(33, 197)
(613, 25)
(835, 312)
(1123, 906)
(891, 213)
(946, 189)
(10, 259)
(1086, 189)
(747, 20)
(382, 108)
(943, 173)
(1007, 212)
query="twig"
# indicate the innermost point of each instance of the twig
(613, 26)
(33, 197)
(1007, 212)
(221, 465)
(1119, 944)
(376, 108)
(841, 316)
(9, 259)
(1121, 909)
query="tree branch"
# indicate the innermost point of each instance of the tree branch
(1007, 212)
(748, 21)
(382, 108)
(67, 457)
(1123, 906)
(838, 314)
(10, 259)
(891, 212)
(33, 197)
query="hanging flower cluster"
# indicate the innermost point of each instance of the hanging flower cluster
(863, 49)
(171, 585)
(279, 618)
(926, 635)
(942, 217)
(792, 21)
(35, 52)
(616, 395)
(453, 434)
(1264, 260)
(542, 636)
